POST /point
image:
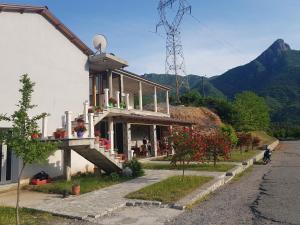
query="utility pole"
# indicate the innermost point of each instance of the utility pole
(174, 63)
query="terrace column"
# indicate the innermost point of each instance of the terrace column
(127, 101)
(121, 87)
(94, 91)
(85, 111)
(106, 98)
(127, 140)
(153, 139)
(67, 164)
(140, 96)
(69, 124)
(110, 83)
(91, 125)
(111, 134)
(171, 130)
(155, 99)
(118, 99)
(44, 127)
(167, 102)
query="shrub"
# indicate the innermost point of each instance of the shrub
(135, 166)
(114, 176)
(229, 132)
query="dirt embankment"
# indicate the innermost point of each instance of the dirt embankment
(204, 119)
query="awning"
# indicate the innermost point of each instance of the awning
(134, 118)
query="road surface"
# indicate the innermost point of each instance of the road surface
(268, 195)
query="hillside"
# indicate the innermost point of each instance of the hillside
(275, 74)
(194, 81)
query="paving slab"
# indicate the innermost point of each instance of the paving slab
(102, 202)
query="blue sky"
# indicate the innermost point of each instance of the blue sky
(231, 32)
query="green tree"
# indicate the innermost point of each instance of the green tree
(229, 132)
(19, 137)
(192, 98)
(251, 112)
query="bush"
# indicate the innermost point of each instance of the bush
(229, 132)
(114, 176)
(135, 166)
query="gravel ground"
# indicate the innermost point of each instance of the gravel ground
(269, 195)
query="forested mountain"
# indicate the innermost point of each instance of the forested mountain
(275, 75)
(194, 82)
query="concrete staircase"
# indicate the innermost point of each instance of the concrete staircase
(96, 154)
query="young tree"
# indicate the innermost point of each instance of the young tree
(19, 137)
(251, 112)
(217, 145)
(188, 145)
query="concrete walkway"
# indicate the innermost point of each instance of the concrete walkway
(27, 198)
(101, 202)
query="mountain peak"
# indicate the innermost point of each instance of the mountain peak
(280, 45)
(274, 52)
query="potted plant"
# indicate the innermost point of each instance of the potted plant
(91, 110)
(98, 109)
(122, 105)
(59, 133)
(35, 136)
(76, 188)
(112, 102)
(80, 129)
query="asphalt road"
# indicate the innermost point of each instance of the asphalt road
(268, 195)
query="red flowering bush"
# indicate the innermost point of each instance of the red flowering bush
(188, 145)
(217, 145)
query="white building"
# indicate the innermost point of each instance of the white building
(67, 73)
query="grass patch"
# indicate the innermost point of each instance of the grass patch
(88, 183)
(195, 167)
(27, 217)
(238, 156)
(264, 137)
(240, 175)
(171, 189)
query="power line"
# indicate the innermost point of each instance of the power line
(214, 34)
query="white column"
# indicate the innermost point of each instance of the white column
(91, 125)
(127, 140)
(85, 111)
(167, 102)
(153, 138)
(69, 124)
(171, 130)
(110, 83)
(106, 98)
(127, 101)
(140, 96)
(155, 99)
(118, 99)
(111, 134)
(44, 127)
(67, 164)
(121, 84)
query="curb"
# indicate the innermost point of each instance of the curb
(224, 180)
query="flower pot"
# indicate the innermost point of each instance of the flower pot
(35, 136)
(76, 189)
(80, 134)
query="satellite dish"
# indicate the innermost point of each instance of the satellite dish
(100, 42)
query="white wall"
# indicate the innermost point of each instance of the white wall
(30, 44)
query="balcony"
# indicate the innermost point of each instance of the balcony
(121, 92)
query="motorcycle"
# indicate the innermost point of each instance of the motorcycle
(267, 156)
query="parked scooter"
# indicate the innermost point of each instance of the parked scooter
(267, 156)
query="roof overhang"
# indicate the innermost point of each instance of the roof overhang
(139, 119)
(106, 61)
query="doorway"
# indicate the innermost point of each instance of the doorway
(5, 164)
